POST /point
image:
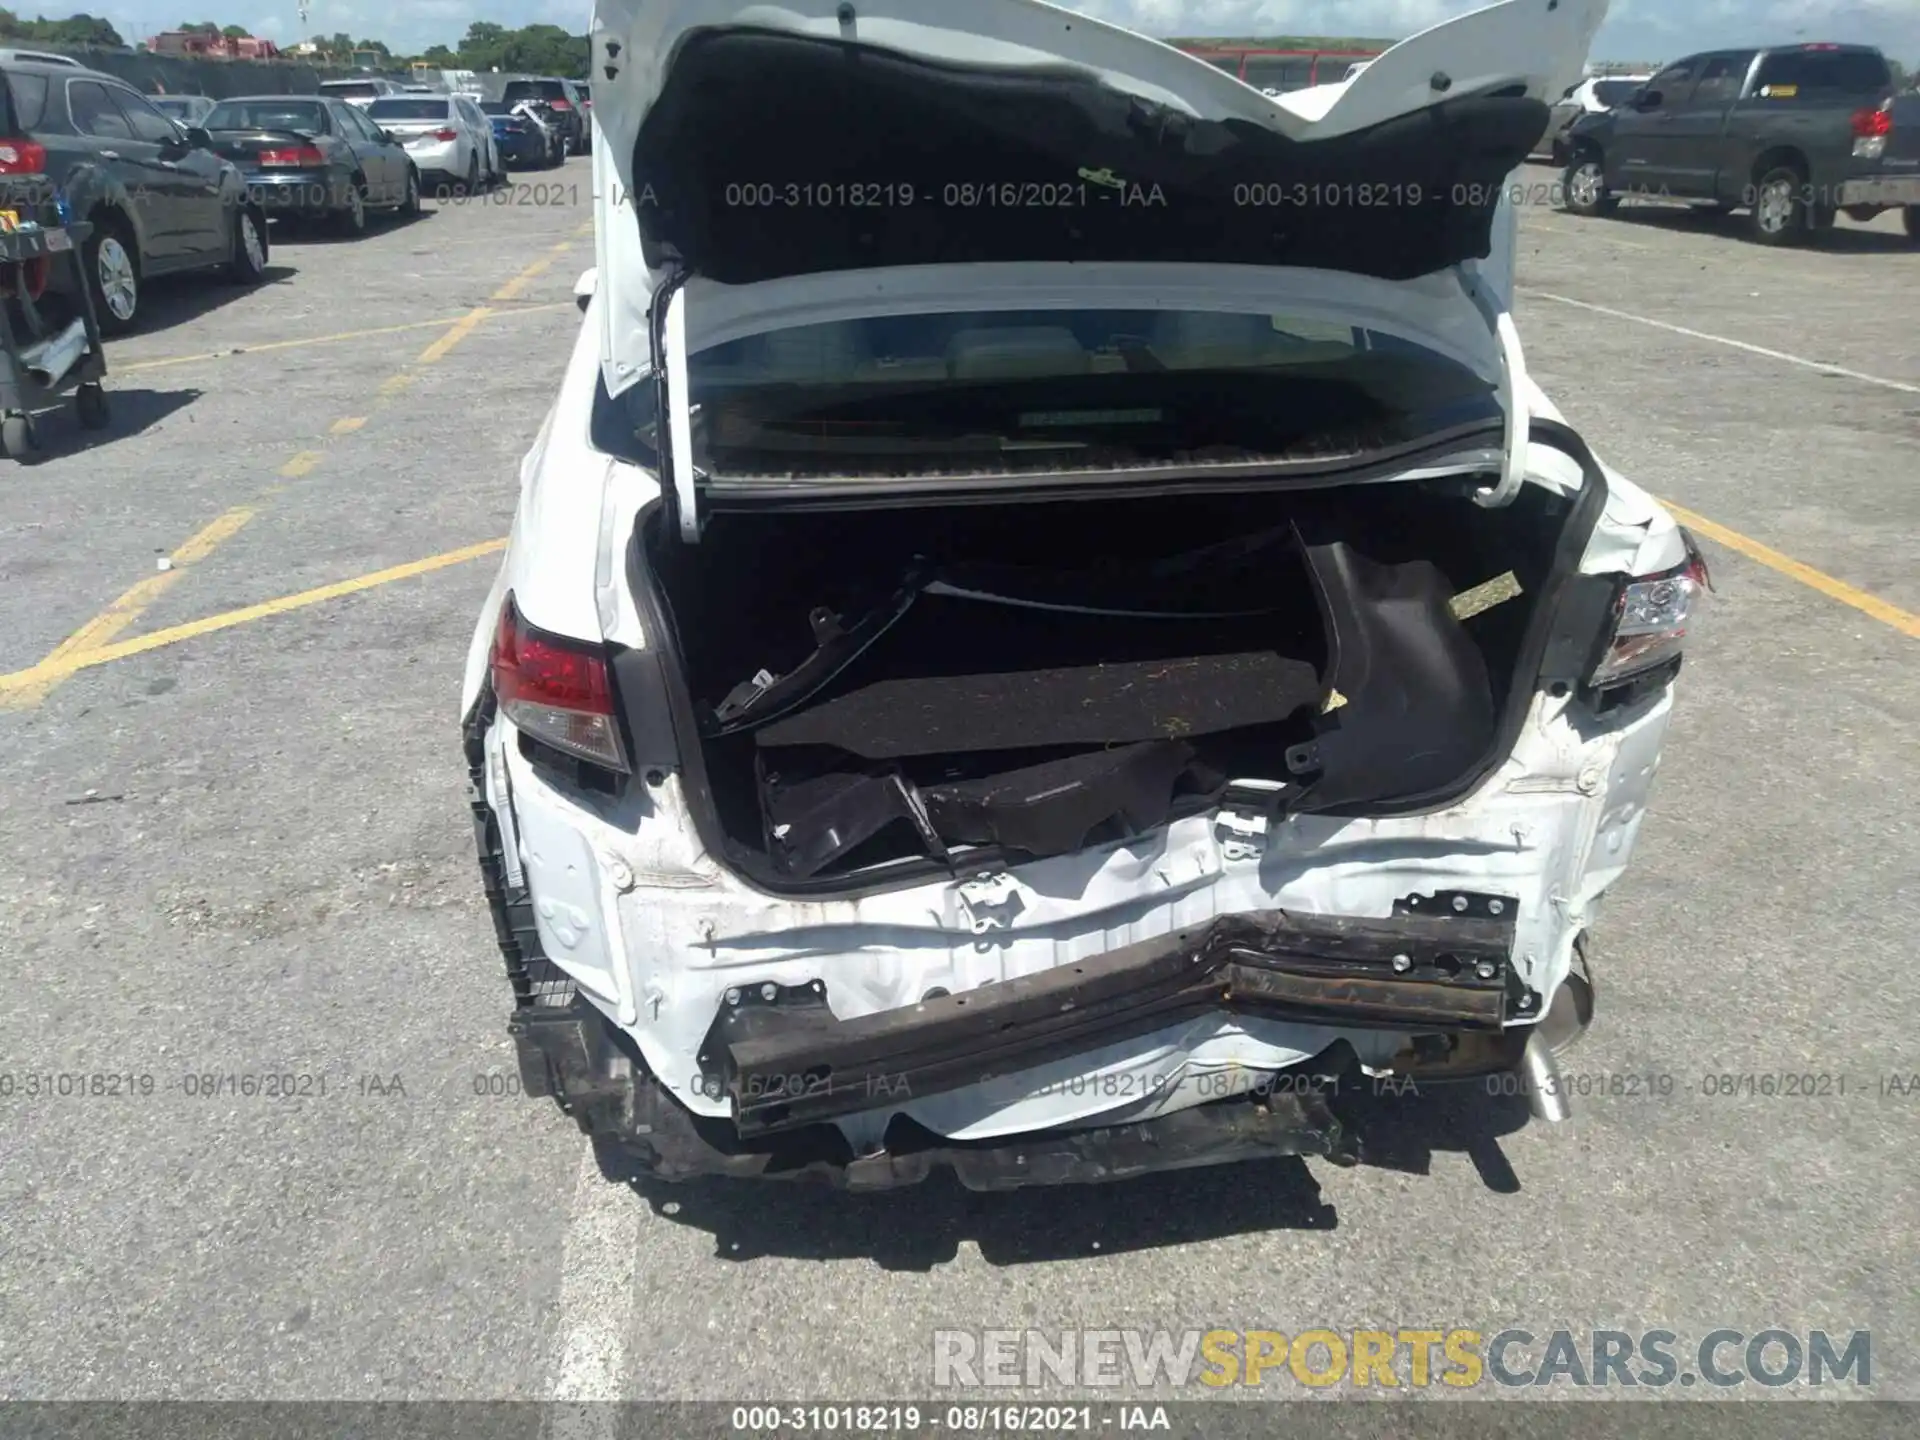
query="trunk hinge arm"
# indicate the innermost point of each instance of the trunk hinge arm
(1513, 387)
(675, 405)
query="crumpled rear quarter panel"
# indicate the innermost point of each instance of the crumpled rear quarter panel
(654, 931)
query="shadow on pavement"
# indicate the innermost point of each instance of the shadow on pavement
(1843, 238)
(130, 411)
(289, 230)
(919, 1227)
(169, 300)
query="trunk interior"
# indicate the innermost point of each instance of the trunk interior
(1026, 679)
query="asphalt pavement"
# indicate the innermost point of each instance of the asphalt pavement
(237, 879)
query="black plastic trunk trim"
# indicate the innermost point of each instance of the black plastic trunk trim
(1534, 646)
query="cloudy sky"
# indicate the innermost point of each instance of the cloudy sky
(1636, 29)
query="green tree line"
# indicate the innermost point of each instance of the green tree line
(535, 49)
(80, 29)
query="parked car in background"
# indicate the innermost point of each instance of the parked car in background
(1593, 96)
(1793, 135)
(520, 137)
(449, 139)
(563, 99)
(551, 133)
(362, 92)
(851, 804)
(311, 157)
(160, 198)
(10, 55)
(184, 110)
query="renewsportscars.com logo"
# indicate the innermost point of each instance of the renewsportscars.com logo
(1398, 1359)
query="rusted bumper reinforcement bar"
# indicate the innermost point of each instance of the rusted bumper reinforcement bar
(1440, 965)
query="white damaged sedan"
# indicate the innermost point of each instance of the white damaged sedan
(1048, 627)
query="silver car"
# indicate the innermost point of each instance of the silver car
(362, 91)
(449, 141)
(187, 110)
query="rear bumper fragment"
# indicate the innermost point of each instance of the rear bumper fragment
(1439, 965)
(640, 1130)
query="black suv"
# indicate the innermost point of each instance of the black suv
(161, 201)
(564, 99)
(1795, 135)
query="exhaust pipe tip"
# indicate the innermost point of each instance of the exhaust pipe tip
(1566, 1020)
(1540, 1076)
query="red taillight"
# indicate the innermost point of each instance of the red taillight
(22, 157)
(1651, 618)
(560, 104)
(1873, 124)
(446, 134)
(557, 691)
(303, 156)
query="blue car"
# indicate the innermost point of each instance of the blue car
(520, 139)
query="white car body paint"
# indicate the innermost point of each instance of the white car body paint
(654, 930)
(1554, 825)
(1539, 46)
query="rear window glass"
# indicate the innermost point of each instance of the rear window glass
(535, 90)
(1264, 73)
(310, 116)
(1013, 391)
(1612, 93)
(351, 89)
(29, 95)
(408, 110)
(1825, 72)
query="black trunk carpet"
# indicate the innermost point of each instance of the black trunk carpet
(957, 676)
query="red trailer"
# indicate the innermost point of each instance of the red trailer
(1278, 71)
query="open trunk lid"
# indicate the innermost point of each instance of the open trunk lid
(753, 152)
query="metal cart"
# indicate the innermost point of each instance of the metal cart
(43, 355)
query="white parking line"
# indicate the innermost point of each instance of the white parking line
(1820, 365)
(596, 1306)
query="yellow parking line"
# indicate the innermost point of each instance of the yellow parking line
(346, 424)
(519, 282)
(129, 607)
(334, 339)
(462, 328)
(344, 335)
(1904, 621)
(57, 667)
(87, 645)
